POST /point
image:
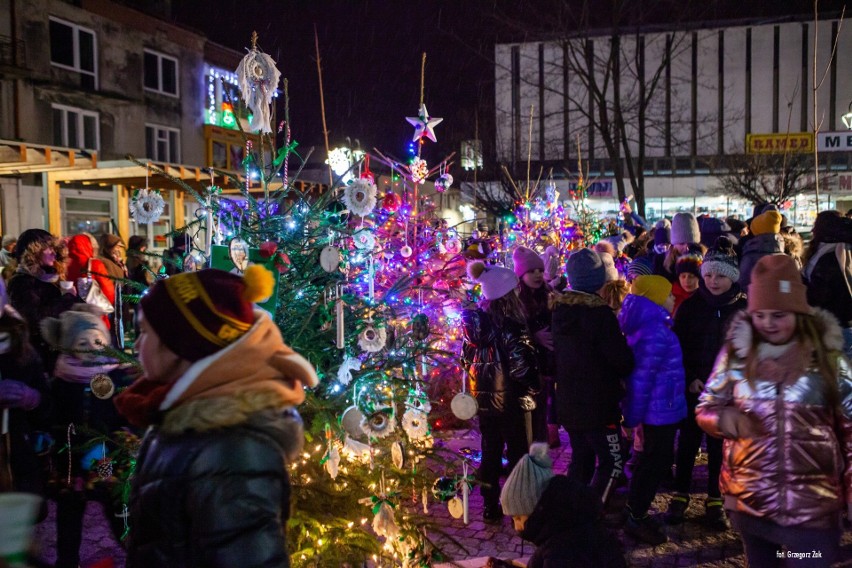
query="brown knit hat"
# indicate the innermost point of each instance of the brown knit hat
(777, 285)
(196, 314)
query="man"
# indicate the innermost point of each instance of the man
(211, 487)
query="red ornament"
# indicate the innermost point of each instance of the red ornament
(391, 202)
(268, 248)
(282, 262)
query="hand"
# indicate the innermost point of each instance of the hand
(527, 403)
(15, 394)
(696, 386)
(544, 337)
(625, 206)
(551, 267)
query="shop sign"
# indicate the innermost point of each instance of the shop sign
(834, 141)
(793, 142)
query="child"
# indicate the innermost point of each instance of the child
(780, 395)
(654, 397)
(501, 363)
(218, 395)
(688, 270)
(79, 334)
(559, 515)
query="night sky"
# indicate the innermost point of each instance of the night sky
(371, 54)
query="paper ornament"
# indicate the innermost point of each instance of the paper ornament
(344, 373)
(415, 423)
(398, 455)
(332, 461)
(257, 78)
(238, 250)
(350, 421)
(147, 206)
(373, 339)
(360, 197)
(464, 406)
(384, 523)
(423, 124)
(330, 258)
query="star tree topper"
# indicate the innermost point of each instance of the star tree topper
(423, 125)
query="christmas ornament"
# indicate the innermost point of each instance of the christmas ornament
(444, 489)
(391, 202)
(332, 461)
(267, 249)
(456, 507)
(350, 421)
(384, 523)
(282, 262)
(104, 468)
(443, 183)
(344, 373)
(398, 455)
(418, 169)
(194, 261)
(147, 206)
(420, 327)
(360, 197)
(453, 246)
(379, 424)
(257, 78)
(418, 400)
(102, 386)
(415, 423)
(330, 258)
(466, 484)
(354, 450)
(423, 124)
(364, 240)
(372, 339)
(464, 406)
(238, 250)
(405, 251)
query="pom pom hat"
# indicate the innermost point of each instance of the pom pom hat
(721, 260)
(526, 260)
(196, 314)
(527, 482)
(777, 285)
(496, 281)
(655, 288)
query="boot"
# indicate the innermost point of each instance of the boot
(677, 509)
(553, 436)
(714, 514)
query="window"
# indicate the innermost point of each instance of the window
(75, 48)
(162, 143)
(86, 211)
(161, 73)
(75, 128)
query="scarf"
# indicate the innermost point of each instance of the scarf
(73, 370)
(782, 364)
(140, 402)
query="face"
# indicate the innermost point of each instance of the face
(774, 326)
(669, 303)
(534, 278)
(520, 522)
(160, 363)
(89, 340)
(689, 282)
(48, 257)
(717, 284)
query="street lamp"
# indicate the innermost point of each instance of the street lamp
(847, 118)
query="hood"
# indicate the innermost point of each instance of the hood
(564, 504)
(793, 244)
(80, 250)
(741, 332)
(768, 243)
(255, 372)
(639, 311)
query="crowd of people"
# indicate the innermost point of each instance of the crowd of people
(730, 333)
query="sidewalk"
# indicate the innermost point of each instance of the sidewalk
(690, 544)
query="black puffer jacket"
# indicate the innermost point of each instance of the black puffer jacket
(592, 361)
(182, 505)
(501, 363)
(566, 529)
(754, 249)
(828, 286)
(700, 325)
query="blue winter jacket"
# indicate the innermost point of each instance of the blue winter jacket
(655, 387)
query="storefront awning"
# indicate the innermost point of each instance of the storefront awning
(18, 158)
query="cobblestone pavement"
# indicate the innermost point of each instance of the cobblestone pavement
(690, 544)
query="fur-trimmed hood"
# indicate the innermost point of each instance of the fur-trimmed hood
(575, 298)
(741, 333)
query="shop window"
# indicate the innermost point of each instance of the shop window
(75, 48)
(86, 213)
(161, 73)
(75, 127)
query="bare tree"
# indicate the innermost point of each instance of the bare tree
(767, 178)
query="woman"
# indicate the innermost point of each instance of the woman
(112, 255)
(501, 362)
(780, 396)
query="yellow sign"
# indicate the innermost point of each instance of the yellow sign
(792, 142)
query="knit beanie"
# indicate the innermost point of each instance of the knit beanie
(610, 271)
(777, 285)
(527, 482)
(685, 229)
(9, 240)
(655, 288)
(586, 271)
(721, 259)
(689, 263)
(525, 260)
(31, 237)
(62, 332)
(496, 281)
(195, 314)
(662, 236)
(642, 266)
(767, 222)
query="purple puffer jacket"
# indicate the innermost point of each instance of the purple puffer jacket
(655, 387)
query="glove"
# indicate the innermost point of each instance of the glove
(737, 424)
(551, 264)
(15, 394)
(527, 403)
(696, 386)
(544, 337)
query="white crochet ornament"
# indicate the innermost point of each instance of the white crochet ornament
(419, 169)
(373, 339)
(257, 78)
(344, 373)
(364, 240)
(147, 206)
(415, 423)
(360, 197)
(379, 424)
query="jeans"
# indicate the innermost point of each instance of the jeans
(769, 545)
(508, 430)
(603, 445)
(653, 463)
(688, 444)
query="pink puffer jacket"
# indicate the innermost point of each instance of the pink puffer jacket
(798, 470)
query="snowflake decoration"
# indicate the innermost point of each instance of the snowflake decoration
(147, 206)
(360, 197)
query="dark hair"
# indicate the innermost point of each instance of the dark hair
(534, 300)
(21, 350)
(823, 218)
(505, 307)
